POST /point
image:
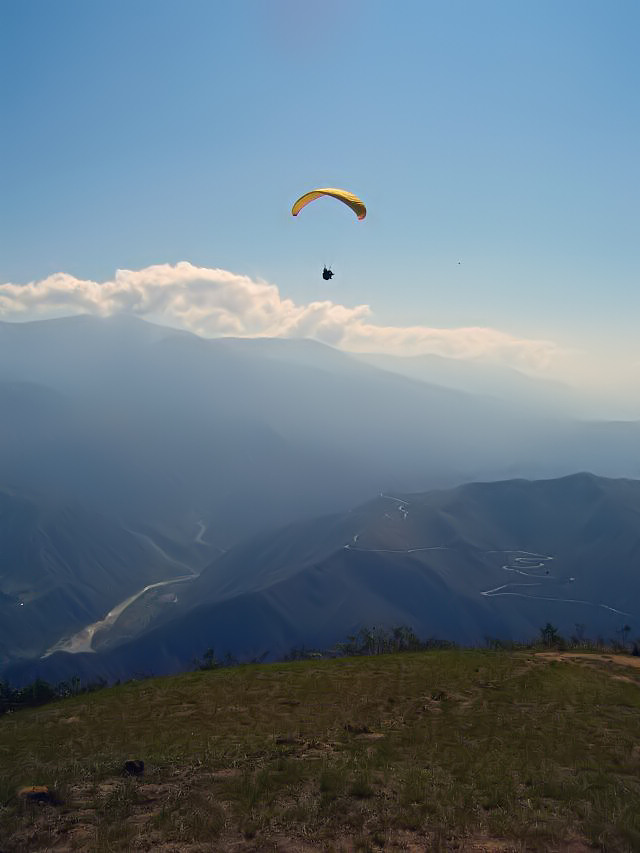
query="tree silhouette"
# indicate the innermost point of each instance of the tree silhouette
(550, 636)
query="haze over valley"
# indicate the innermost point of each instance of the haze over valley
(164, 493)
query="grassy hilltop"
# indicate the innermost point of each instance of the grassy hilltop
(440, 750)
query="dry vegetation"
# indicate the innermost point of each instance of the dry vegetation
(448, 750)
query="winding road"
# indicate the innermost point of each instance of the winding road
(532, 560)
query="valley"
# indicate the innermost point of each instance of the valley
(175, 494)
(83, 640)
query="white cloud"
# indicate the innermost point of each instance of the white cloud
(215, 302)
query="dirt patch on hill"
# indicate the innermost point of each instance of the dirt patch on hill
(588, 657)
(499, 845)
(613, 665)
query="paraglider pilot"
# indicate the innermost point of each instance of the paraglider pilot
(326, 274)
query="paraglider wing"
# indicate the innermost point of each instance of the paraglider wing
(351, 200)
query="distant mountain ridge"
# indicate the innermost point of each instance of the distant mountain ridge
(475, 376)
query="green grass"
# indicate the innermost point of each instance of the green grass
(436, 749)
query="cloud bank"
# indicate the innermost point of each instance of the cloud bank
(216, 302)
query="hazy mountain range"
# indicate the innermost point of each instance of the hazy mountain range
(478, 376)
(481, 560)
(132, 453)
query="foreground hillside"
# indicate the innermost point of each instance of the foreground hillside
(418, 751)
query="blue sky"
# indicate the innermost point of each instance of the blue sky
(501, 134)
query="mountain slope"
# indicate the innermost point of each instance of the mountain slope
(62, 567)
(485, 559)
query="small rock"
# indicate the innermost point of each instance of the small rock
(288, 740)
(35, 794)
(357, 729)
(133, 767)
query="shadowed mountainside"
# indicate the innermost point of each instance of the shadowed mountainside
(62, 567)
(484, 559)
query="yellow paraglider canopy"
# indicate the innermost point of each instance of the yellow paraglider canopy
(351, 200)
